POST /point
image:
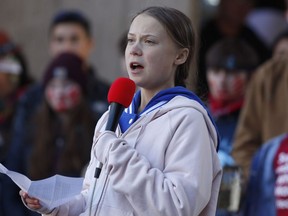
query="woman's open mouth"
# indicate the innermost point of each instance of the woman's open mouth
(135, 66)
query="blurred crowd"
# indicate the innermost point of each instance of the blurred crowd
(243, 78)
(46, 126)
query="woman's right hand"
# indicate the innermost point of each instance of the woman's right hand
(31, 202)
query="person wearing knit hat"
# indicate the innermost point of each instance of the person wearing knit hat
(14, 82)
(57, 137)
(229, 63)
(59, 134)
(64, 83)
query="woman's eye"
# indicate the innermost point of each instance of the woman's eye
(130, 40)
(149, 42)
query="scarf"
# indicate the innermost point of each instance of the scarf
(223, 108)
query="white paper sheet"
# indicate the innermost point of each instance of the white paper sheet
(51, 192)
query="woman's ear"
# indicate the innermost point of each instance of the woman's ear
(182, 56)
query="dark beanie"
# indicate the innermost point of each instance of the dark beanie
(69, 66)
(232, 54)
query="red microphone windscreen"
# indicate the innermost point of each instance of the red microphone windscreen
(122, 91)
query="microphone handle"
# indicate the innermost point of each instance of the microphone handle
(115, 112)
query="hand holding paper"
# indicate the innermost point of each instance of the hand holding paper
(51, 192)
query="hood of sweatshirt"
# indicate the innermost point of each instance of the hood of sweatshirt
(161, 100)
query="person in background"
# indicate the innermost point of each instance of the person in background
(66, 114)
(264, 114)
(58, 137)
(14, 81)
(176, 173)
(70, 31)
(230, 64)
(229, 22)
(267, 184)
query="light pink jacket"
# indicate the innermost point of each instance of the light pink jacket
(164, 164)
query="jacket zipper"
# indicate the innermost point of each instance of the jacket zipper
(91, 201)
(101, 196)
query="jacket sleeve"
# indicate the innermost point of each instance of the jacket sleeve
(184, 185)
(248, 132)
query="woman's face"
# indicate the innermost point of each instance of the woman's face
(62, 94)
(226, 86)
(151, 55)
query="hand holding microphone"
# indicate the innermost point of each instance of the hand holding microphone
(120, 96)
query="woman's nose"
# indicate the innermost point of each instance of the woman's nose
(135, 49)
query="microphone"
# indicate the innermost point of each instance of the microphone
(120, 96)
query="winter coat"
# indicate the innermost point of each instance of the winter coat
(264, 114)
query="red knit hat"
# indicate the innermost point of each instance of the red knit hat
(66, 65)
(6, 45)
